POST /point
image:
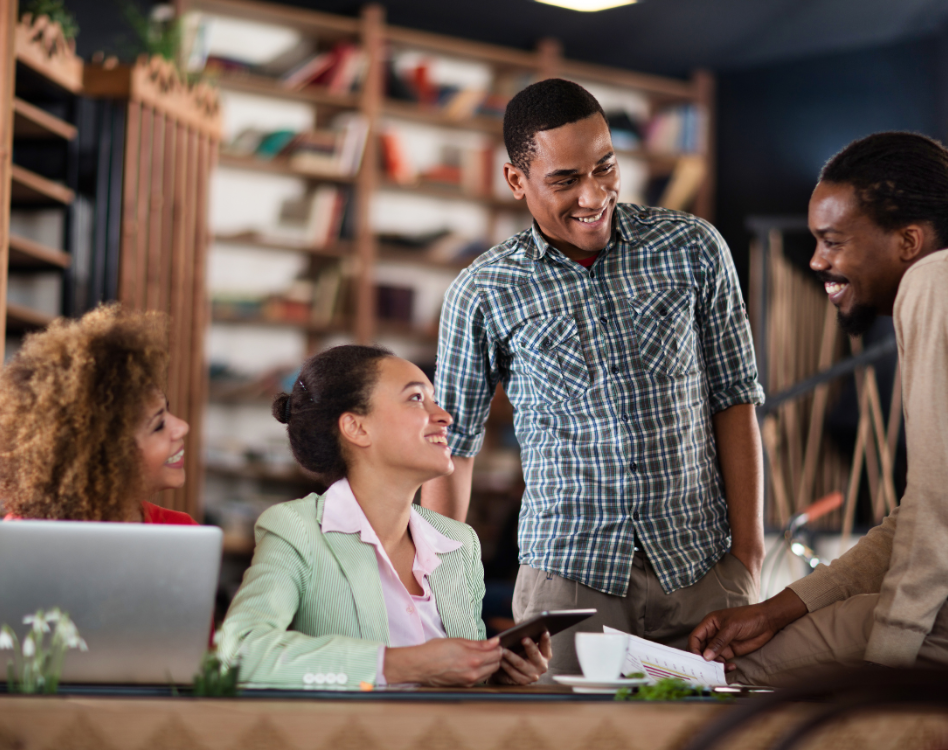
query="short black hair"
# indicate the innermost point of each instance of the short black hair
(899, 178)
(540, 106)
(333, 382)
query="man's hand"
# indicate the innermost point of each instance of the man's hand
(727, 633)
(444, 662)
(517, 670)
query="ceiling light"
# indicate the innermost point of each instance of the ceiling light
(587, 6)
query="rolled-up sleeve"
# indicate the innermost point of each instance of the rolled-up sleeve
(725, 333)
(467, 370)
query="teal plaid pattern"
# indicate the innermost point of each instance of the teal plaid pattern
(614, 373)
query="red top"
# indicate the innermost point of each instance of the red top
(151, 513)
(587, 262)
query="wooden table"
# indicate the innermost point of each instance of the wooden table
(441, 720)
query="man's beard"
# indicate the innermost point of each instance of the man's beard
(857, 321)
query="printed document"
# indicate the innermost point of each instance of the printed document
(658, 661)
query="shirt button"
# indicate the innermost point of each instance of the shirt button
(625, 417)
(603, 320)
(409, 609)
(634, 466)
(635, 515)
(615, 370)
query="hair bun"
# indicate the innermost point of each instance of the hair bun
(281, 408)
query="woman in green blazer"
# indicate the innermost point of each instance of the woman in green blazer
(358, 586)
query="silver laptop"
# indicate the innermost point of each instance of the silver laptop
(141, 595)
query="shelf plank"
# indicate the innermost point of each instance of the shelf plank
(417, 113)
(21, 318)
(29, 121)
(25, 253)
(313, 328)
(29, 187)
(455, 47)
(277, 166)
(261, 472)
(341, 249)
(336, 250)
(247, 83)
(450, 192)
(324, 25)
(666, 88)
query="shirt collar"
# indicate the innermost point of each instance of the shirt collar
(621, 228)
(342, 513)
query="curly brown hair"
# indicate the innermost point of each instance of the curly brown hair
(71, 401)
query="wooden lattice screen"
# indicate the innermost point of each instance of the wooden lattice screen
(171, 143)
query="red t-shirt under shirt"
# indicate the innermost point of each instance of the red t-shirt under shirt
(587, 262)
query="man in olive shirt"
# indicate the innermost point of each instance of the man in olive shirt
(880, 218)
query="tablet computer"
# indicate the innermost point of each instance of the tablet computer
(552, 622)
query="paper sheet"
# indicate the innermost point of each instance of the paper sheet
(658, 661)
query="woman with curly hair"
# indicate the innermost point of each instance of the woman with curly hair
(85, 430)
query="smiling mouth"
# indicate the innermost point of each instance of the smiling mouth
(437, 439)
(835, 289)
(176, 458)
(591, 219)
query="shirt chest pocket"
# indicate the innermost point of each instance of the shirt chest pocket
(664, 330)
(551, 352)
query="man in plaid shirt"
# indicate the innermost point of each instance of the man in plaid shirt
(621, 339)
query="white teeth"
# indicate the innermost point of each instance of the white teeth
(176, 457)
(832, 287)
(441, 439)
(591, 219)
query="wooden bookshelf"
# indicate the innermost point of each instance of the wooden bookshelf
(376, 39)
(40, 66)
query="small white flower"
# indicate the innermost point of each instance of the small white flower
(38, 622)
(67, 630)
(53, 615)
(29, 648)
(218, 635)
(82, 645)
(6, 640)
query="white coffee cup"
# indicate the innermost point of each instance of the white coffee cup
(601, 655)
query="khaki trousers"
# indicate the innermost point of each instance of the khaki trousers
(829, 638)
(646, 610)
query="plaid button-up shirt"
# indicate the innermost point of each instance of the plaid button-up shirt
(614, 373)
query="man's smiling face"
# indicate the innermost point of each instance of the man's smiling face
(857, 260)
(573, 186)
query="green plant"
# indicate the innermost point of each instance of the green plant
(216, 679)
(56, 10)
(667, 689)
(37, 665)
(158, 33)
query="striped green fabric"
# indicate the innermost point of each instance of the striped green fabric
(313, 603)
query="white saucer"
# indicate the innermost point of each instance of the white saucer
(582, 684)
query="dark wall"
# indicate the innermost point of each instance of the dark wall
(778, 124)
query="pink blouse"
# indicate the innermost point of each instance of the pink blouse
(412, 620)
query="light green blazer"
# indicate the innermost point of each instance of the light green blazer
(311, 603)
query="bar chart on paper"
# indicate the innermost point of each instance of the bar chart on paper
(659, 662)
